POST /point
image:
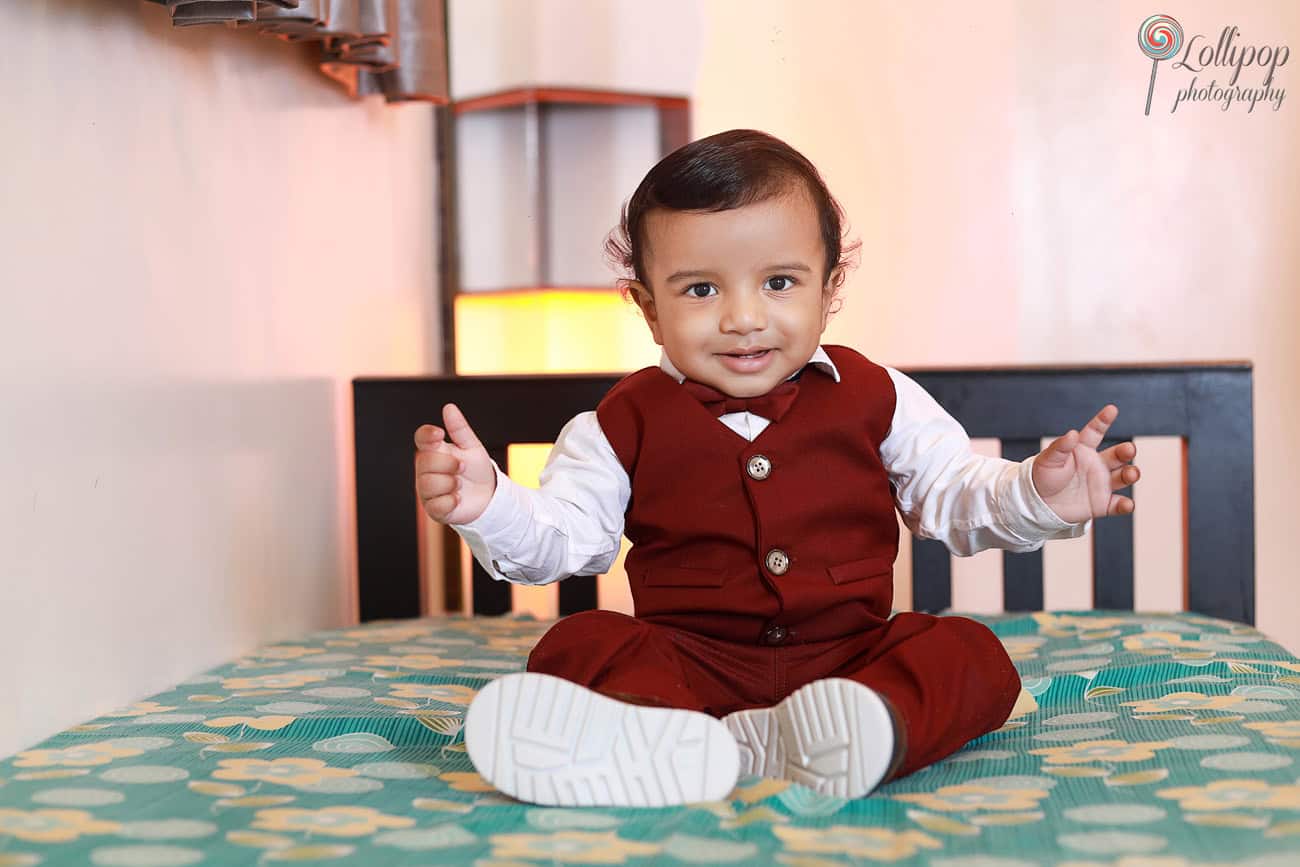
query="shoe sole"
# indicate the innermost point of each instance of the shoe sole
(833, 735)
(546, 740)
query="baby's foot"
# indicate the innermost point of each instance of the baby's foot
(547, 740)
(832, 735)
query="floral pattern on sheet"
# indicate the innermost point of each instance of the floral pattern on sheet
(1139, 739)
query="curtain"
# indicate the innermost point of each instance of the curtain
(393, 47)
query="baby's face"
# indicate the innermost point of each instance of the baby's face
(737, 298)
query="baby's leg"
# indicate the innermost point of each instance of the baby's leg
(544, 736)
(618, 656)
(880, 705)
(947, 679)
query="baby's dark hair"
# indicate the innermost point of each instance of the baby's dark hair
(724, 171)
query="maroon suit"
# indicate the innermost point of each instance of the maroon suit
(758, 567)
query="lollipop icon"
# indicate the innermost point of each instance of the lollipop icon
(1160, 37)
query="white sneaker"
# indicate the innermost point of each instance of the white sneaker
(547, 740)
(833, 735)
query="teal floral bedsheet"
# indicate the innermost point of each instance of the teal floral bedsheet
(1141, 740)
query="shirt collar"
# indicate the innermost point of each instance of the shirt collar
(819, 359)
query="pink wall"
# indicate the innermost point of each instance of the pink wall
(204, 240)
(1016, 206)
(1014, 203)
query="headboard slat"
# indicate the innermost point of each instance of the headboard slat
(931, 575)
(1022, 574)
(1209, 405)
(1220, 498)
(491, 597)
(577, 594)
(1112, 556)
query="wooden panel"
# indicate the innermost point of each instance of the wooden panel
(488, 595)
(571, 95)
(1221, 494)
(931, 575)
(577, 594)
(386, 413)
(1209, 405)
(1022, 574)
(1112, 555)
(448, 233)
(674, 126)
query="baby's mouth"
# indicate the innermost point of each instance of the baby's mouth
(746, 361)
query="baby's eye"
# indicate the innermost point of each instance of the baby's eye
(779, 283)
(701, 290)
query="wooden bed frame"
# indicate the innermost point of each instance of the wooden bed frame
(1208, 405)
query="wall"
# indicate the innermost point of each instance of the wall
(1013, 202)
(1016, 206)
(204, 241)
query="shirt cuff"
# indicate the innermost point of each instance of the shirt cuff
(1026, 514)
(500, 528)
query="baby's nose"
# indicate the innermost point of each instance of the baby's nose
(743, 313)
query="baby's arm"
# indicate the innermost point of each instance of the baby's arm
(573, 525)
(945, 491)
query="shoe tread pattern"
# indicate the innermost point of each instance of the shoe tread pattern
(757, 734)
(833, 735)
(546, 740)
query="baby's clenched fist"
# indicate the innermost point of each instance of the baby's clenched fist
(454, 476)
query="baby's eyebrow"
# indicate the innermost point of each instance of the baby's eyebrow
(783, 266)
(686, 275)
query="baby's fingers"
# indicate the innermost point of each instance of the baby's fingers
(1119, 505)
(428, 436)
(1124, 476)
(458, 428)
(1095, 431)
(437, 462)
(440, 508)
(1119, 455)
(431, 485)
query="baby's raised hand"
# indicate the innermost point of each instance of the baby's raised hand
(1076, 480)
(454, 479)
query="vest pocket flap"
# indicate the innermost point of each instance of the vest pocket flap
(683, 576)
(860, 570)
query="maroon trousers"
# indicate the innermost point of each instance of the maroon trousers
(948, 679)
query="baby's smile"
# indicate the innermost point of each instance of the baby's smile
(747, 361)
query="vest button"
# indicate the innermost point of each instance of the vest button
(777, 561)
(774, 635)
(759, 467)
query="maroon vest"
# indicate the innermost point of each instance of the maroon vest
(790, 538)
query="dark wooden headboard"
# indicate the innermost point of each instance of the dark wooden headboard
(1209, 406)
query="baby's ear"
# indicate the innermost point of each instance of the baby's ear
(830, 295)
(835, 280)
(641, 294)
(645, 299)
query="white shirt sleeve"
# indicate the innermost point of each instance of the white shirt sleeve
(945, 491)
(573, 525)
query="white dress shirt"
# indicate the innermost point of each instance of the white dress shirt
(573, 525)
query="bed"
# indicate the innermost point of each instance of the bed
(1150, 738)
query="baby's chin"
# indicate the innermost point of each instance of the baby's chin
(749, 389)
(745, 386)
